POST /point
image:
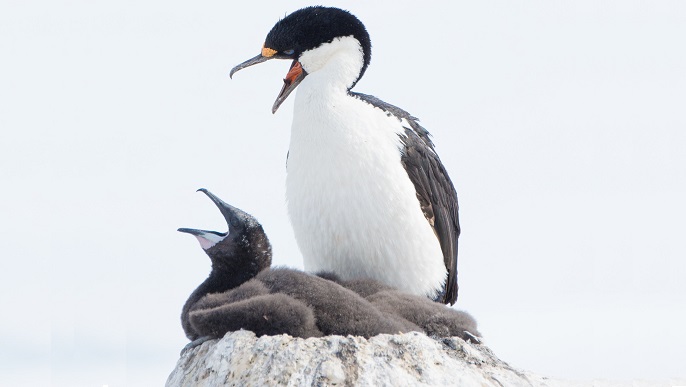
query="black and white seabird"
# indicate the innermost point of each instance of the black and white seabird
(367, 194)
(243, 292)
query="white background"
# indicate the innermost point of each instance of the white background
(563, 127)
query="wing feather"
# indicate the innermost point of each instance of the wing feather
(435, 191)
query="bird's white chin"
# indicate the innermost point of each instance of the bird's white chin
(339, 61)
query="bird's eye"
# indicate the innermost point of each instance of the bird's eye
(288, 52)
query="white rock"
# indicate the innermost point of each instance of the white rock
(410, 359)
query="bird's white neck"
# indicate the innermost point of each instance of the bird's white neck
(332, 67)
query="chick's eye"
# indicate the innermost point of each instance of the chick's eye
(288, 52)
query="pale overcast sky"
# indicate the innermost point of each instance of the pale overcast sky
(562, 125)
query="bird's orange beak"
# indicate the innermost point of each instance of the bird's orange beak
(295, 75)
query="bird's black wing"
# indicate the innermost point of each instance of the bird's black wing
(435, 192)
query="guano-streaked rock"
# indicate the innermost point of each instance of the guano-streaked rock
(410, 359)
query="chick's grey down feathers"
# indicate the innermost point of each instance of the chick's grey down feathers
(335, 310)
(269, 314)
(243, 292)
(433, 318)
(339, 311)
(251, 306)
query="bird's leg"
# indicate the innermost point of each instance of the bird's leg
(195, 343)
(470, 337)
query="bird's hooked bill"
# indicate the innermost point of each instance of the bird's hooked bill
(252, 61)
(293, 78)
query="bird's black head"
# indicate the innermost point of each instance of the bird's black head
(304, 30)
(310, 27)
(244, 247)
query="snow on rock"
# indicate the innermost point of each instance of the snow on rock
(410, 359)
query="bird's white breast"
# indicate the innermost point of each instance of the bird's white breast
(352, 205)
